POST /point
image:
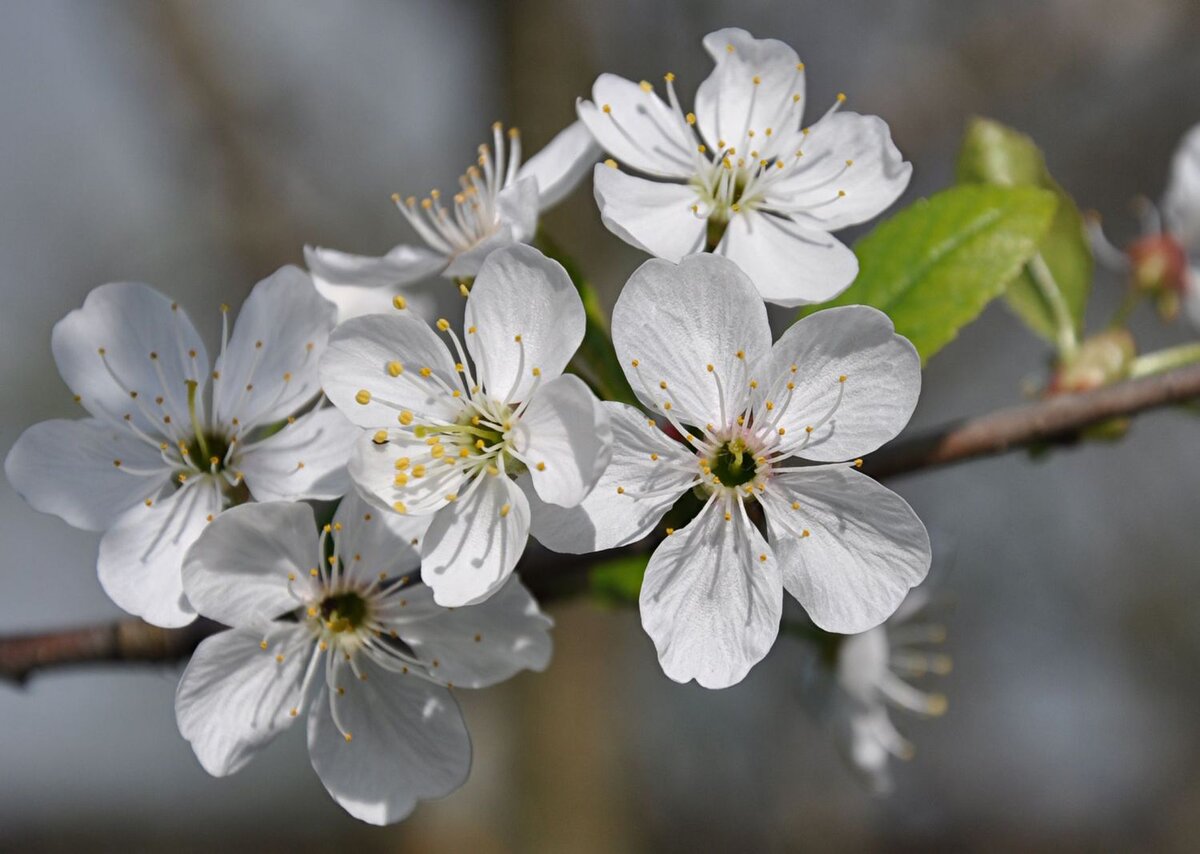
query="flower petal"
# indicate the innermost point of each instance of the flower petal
(565, 439)
(409, 743)
(655, 216)
(518, 208)
(305, 460)
(638, 128)
(86, 472)
(561, 164)
(359, 284)
(374, 542)
(850, 418)
(269, 368)
(147, 342)
(711, 599)
(236, 695)
(365, 352)
(865, 549)
(466, 264)
(525, 314)
(376, 468)
(1181, 204)
(606, 519)
(141, 555)
(753, 87)
(674, 320)
(239, 569)
(851, 171)
(791, 264)
(482, 644)
(474, 544)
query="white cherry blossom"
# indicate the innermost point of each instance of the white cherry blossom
(480, 443)
(160, 455)
(764, 431)
(871, 673)
(339, 624)
(498, 203)
(739, 176)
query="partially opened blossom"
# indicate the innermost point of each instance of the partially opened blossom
(870, 673)
(498, 202)
(1164, 261)
(162, 453)
(338, 623)
(478, 442)
(770, 430)
(740, 176)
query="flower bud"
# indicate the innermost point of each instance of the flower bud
(1158, 267)
(1102, 359)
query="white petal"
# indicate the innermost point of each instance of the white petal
(237, 572)
(68, 468)
(565, 438)
(711, 599)
(729, 102)
(147, 342)
(521, 294)
(141, 555)
(791, 264)
(606, 519)
(409, 743)
(466, 264)
(851, 418)
(675, 320)
(373, 470)
(374, 541)
(269, 368)
(866, 546)
(358, 284)
(654, 216)
(236, 696)
(1181, 204)
(638, 129)
(359, 355)
(518, 208)
(305, 460)
(474, 544)
(483, 644)
(562, 164)
(843, 153)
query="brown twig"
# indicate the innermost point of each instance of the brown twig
(552, 576)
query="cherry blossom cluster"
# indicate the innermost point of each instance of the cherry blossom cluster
(446, 445)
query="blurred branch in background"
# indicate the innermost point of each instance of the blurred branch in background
(552, 576)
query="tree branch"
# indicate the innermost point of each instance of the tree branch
(1054, 421)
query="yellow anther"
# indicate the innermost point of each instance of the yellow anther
(756, 80)
(463, 290)
(795, 505)
(443, 324)
(770, 405)
(314, 572)
(426, 372)
(517, 338)
(620, 490)
(842, 378)
(741, 354)
(635, 363)
(149, 502)
(728, 516)
(741, 420)
(456, 393)
(541, 466)
(470, 330)
(395, 368)
(703, 149)
(451, 496)
(753, 384)
(400, 480)
(606, 108)
(216, 461)
(279, 659)
(841, 194)
(380, 437)
(729, 48)
(667, 405)
(669, 77)
(504, 511)
(426, 204)
(480, 444)
(805, 533)
(537, 372)
(781, 431)
(437, 451)
(400, 507)
(662, 384)
(670, 531)
(762, 558)
(645, 86)
(363, 397)
(406, 418)
(841, 97)
(709, 367)
(349, 737)
(791, 386)
(493, 471)
(654, 457)
(418, 470)
(808, 429)
(464, 452)
(458, 366)
(691, 119)
(858, 463)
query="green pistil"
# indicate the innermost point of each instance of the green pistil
(202, 444)
(733, 464)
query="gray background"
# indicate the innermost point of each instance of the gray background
(199, 146)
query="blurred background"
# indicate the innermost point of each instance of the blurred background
(197, 147)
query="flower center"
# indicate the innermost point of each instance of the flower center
(343, 612)
(733, 464)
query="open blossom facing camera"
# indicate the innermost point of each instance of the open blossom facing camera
(762, 430)
(870, 673)
(481, 443)
(340, 624)
(160, 457)
(752, 185)
(498, 202)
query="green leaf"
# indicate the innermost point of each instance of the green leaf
(619, 581)
(935, 265)
(995, 154)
